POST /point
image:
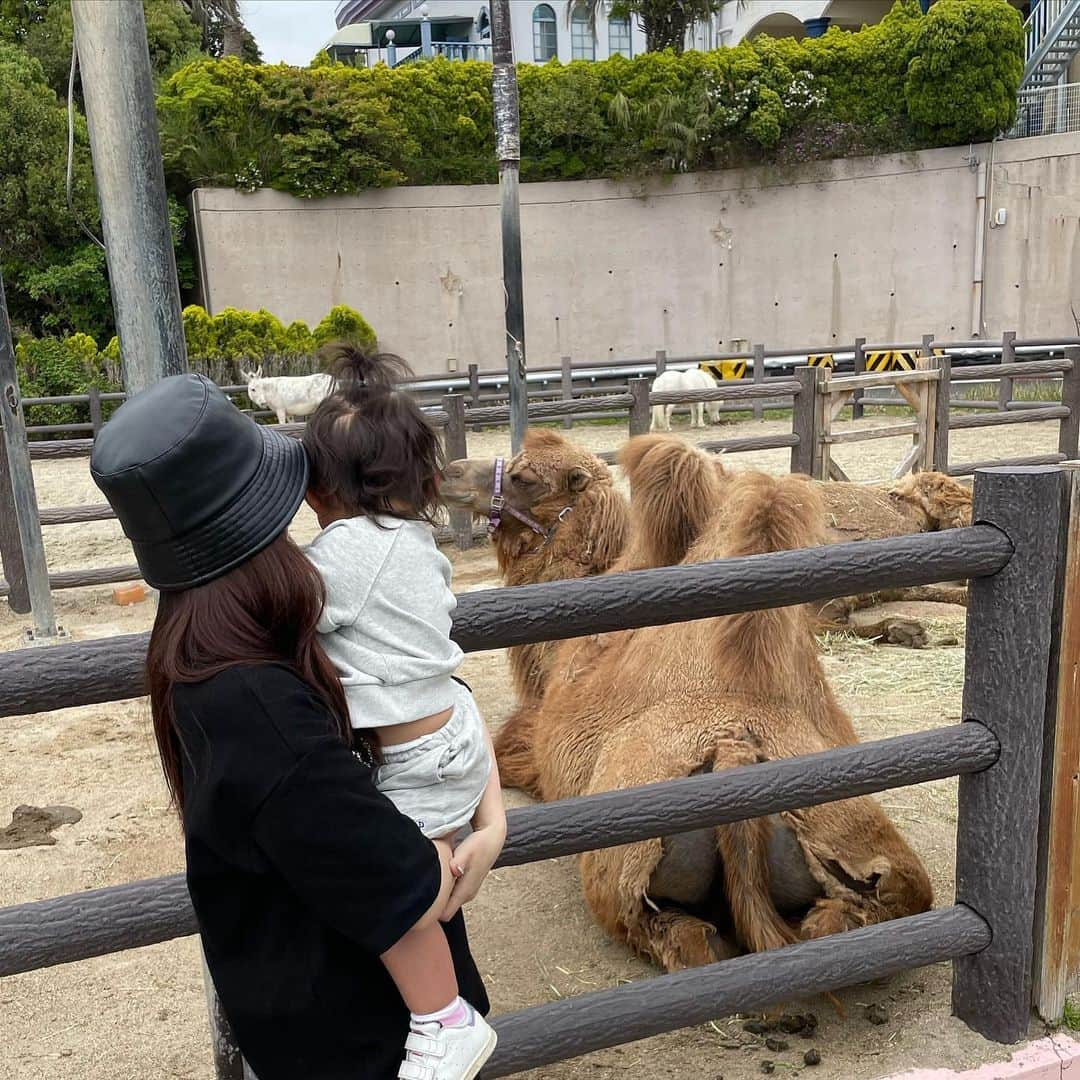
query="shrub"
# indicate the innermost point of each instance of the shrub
(341, 323)
(335, 129)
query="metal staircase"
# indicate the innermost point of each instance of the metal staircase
(1046, 104)
(1052, 39)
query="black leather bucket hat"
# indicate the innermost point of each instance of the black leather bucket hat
(199, 487)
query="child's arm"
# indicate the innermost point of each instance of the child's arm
(475, 856)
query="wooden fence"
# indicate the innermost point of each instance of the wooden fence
(1013, 557)
(815, 396)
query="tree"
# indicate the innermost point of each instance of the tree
(220, 19)
(665, 22)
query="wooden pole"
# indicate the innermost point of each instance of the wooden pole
(1069, 432)
(456, 449)
(11, 554)
(1057, 930)
(661, 361)
(759, 377)
(940, 456)
(474, 385)
(639, 411)
(804, 420)
(504, 90)
(1008, 356)
(997, 834)
(567, 387)
(118, 89)
(20, 477)
(95, 409)
(860, 367)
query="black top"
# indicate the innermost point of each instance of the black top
(301, 874)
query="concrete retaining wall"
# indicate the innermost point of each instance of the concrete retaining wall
(884, 248)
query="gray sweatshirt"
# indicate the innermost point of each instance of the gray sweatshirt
(386, 623)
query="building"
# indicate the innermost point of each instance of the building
(395, 30)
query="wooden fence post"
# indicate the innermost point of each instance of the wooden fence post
(759, 377)
(639, 411)
(1008, 356)
(1057, 928)
(804, 420)
(661, 361)
(567, 385)
(1069, 432)
(94, 395)
(940, 455)
(860, 368)
(1005, 691)
(474, 385)
(11, 553)
(21, 478)
(928, 344)
(457, 448)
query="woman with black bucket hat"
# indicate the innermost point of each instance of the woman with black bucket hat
(301, 874)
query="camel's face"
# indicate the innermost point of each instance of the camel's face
(547, 468)
(945, 502)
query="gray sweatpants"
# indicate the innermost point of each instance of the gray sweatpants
(438, 780)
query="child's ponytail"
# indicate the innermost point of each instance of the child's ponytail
(359, 372)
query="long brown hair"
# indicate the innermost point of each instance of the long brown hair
(264, 611)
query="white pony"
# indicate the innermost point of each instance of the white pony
(694, 379)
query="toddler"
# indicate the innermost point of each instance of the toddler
(375, 468)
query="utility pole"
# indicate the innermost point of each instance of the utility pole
(22, 486)
(119, 93)
(504, 92)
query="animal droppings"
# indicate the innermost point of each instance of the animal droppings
(877, 1015)
(777, 1046)
(759, 1027)
(811, 1057)
(768, 1066)
(804, 1024)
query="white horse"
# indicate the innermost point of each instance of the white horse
(694, 379)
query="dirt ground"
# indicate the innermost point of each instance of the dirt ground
(142, 1013)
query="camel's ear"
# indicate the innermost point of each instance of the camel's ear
(578, 480)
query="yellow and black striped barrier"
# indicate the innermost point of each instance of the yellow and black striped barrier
(725, 369)
(821, 360)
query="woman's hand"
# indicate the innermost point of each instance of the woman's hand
(471, 862)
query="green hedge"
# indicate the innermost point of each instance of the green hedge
(912, 81)
(218, 346)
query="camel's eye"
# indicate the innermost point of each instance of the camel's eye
(525, 478)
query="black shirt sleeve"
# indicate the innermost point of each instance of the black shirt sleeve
(263, 755)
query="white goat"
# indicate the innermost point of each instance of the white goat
(694, 379)
(287, 395)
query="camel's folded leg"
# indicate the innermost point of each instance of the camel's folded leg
(868, 871)
(514, 750)
(744, 848)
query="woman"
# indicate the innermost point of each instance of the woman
(301, 874)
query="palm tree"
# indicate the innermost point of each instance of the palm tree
(208, 14)
(665, 22)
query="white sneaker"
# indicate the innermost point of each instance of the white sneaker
(434, 1052)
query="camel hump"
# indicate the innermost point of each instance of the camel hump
(766, 513)
(675, 490)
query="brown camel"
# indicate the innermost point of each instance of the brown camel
(640, 706)
(540, 482)
(577, 525)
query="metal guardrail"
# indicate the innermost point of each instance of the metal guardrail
(1050, 110)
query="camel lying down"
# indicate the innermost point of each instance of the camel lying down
(636, 707)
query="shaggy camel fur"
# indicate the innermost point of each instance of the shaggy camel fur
(635, 707)
(563, 489)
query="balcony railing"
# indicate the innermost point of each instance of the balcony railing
(451, 50)
(1049, 110)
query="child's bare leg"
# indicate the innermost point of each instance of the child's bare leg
(420, 963)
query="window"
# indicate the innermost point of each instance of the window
(618, 37)
(545, 39)
(582, 42)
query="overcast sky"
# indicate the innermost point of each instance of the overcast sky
(289, 30)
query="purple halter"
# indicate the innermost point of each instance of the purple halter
(499, 506)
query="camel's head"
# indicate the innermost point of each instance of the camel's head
(548, 474)
(944, 502)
